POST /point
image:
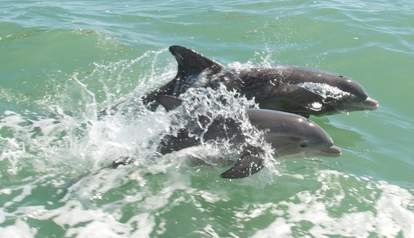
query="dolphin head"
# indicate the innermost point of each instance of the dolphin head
(355, 98)
(312, 92)
(337, 93)
(293, 134)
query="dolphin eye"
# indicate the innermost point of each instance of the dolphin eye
(303, 145)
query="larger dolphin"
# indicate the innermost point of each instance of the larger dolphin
(292, 89)
(287, 133)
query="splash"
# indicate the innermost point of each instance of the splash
(67, 129)
(324, 90)
(215, 105)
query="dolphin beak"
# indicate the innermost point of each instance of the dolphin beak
(370, 103)
(331, 151)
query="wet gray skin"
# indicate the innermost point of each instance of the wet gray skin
(292, 134)
(287, 88)
(304, 91)
(287, 133)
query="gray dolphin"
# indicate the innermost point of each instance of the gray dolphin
(287, 133)
(292, 89)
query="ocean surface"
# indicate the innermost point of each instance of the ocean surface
(61, 62)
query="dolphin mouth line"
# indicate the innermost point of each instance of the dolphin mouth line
(331, 151)
(370, 104)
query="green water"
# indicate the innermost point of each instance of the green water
(61, 62)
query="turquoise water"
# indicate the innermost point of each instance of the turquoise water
(62, 62)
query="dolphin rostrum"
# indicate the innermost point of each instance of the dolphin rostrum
(286, 88)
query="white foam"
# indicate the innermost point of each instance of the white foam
(279, 228)
(20, 229)
(388, 216)
(208, 231)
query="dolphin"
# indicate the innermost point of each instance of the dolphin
(287, 133)
(294, 89)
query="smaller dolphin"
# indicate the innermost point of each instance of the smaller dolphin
(287, 88)
(287, 133)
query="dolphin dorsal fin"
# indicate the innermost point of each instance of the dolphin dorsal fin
(169, 102)
(192, 63)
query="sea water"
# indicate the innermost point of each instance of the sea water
(62, 62)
